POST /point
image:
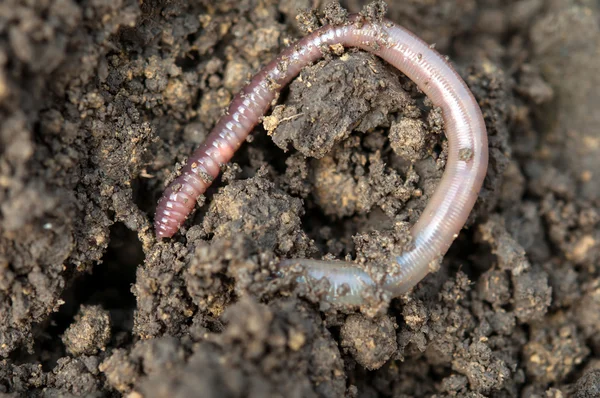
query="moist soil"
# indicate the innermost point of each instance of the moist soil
(101, 102)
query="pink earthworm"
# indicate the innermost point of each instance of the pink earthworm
(449, 206)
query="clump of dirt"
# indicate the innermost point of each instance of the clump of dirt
(373, 349)
(89, 333)
(99, 102)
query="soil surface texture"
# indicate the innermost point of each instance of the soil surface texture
(101, 101)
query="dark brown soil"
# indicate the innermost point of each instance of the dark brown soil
(101, 99)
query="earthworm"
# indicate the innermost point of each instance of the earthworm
(450, 204)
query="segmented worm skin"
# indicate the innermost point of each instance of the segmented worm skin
(450, 204)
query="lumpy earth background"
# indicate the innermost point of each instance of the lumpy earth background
(102, 100)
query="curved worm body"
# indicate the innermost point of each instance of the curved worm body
(450, 204)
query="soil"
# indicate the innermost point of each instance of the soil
(101, 100)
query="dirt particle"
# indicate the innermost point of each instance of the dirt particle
(371, 342)
(465, 154)
(296, 340)
(581, 248)
(407, 138)
(554, 350)
(588, 386)
(89, 333)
